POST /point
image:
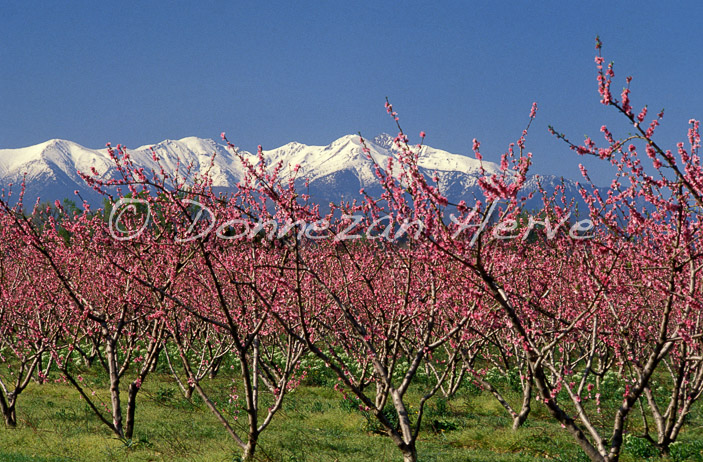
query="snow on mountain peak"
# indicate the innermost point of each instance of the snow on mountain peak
(336, 170)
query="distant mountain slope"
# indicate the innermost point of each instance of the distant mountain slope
(336, 171)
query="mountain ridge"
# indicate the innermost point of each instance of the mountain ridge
(335, 172)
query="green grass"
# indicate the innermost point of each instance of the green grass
(316, 425)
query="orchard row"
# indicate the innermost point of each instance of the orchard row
(431, 312)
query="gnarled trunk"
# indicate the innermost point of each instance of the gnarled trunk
(114, 389)
(131, 407)
(8, 412)
(521, 417)
(250, 448)
(410, 453)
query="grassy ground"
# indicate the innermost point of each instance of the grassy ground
(316, 424)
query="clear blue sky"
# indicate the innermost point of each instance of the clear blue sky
(268, 73)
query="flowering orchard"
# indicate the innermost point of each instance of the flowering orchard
(425, 303)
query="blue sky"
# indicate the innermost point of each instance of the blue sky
(138, 72)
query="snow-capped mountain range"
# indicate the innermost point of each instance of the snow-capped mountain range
(336, 171)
